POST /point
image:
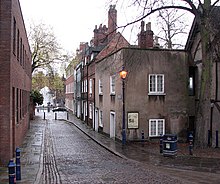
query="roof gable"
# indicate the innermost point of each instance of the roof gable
(214, 23)
(115, 44)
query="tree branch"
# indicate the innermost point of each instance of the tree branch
(194, 9)
(158, 9)
(215, 3)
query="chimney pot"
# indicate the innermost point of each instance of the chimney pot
(148, 26)
(142, 25)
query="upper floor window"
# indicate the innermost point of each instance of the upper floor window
(85, 86)
(112, 85)
(156, 84)
(92, 56)
(18, 44)
(14, 36)
(156, 127)
(90, 86)
(100, 87)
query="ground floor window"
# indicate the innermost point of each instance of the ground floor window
(100, 119)
(90, 111)
(156, 127)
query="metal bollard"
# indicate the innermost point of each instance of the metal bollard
(209, 138)
(67, 115)
(55, 116)
(11, 172)
(216, 135)
(142, 137)
(18, 164)
(44, 115)
(190, 144)
(161, 143)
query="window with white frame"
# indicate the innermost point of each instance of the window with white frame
(85, 61)
(82, 86)
(100, 87)
(92, 56)
(86, 108)
(86, 87)
(90, 111)
(156, 127)
(90, 86)
(100, 119)
(156, 84)
(112, 84)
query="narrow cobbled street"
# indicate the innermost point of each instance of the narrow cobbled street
(72, 157)
(68, 151)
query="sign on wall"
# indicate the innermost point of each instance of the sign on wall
(133, 120)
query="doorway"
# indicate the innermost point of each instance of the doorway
(112, 125)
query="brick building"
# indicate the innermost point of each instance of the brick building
(69, 84)
(15, 79)
(156, 91)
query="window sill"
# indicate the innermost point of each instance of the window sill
(156, 94)
(154, 136)
(100, 94)
(112, 94)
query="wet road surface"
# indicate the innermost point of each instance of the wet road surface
(72, 157)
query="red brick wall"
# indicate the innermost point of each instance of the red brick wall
(15, 80)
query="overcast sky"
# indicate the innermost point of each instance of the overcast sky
(73, 21)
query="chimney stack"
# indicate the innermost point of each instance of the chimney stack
(112, 22)
(145, 38)
(100, 35)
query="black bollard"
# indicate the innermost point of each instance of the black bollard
(142, 137)
(11, 172)
(18, 164)
(67, 115)
(161, 143)
(55, 116)
(190, 144)
(209, 138)
(216, 142)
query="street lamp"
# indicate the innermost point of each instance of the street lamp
(123, 74)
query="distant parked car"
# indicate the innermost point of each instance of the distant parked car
(57, 109)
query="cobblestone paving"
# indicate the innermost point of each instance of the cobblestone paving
(50, 172)
(75, 158)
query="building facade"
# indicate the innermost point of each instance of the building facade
(15, 77)
(156, 90)
(209, 129)
(69, 84)
(156, 93)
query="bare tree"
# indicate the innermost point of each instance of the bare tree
(171, 25)
(206, 22)
(44, 46)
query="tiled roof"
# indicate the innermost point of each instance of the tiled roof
(115, 44)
